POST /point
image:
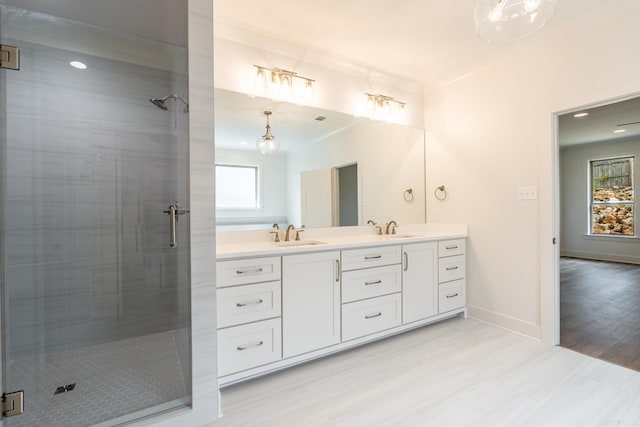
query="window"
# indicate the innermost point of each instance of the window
(612, 199)
(236, 187)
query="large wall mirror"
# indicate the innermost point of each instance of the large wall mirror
(331, 169)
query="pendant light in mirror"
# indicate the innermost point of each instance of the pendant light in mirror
(504, 20)
(267, 143)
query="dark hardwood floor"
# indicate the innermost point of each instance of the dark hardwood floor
(600, 310)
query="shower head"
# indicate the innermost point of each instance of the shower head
(161, 103)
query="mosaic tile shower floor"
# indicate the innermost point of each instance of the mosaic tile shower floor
(112, 380)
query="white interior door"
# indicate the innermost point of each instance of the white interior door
(317, 188)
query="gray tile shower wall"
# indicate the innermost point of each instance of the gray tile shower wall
(92, 165)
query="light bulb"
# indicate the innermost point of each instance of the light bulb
(496, 13)
(531, 5)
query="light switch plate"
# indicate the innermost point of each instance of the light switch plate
(527, 193)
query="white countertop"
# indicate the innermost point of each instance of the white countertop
(241, 244)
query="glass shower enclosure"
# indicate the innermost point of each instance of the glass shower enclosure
(94, 219)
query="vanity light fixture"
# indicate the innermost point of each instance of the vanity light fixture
(267, 143)
(283, 85)
(619, 130)
(503, 20)
(384, 107)
(578, 115)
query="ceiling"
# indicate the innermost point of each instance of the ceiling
(600, 123)
(430, 42)
(240, 121)
(161, 20)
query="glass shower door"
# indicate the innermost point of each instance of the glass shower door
(94, 226)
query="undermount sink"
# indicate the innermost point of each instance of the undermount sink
(402, 236)
(296, 243)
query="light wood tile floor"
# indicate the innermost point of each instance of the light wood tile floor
(459, 372)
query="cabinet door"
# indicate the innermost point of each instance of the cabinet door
(310, 302)
(419, 281)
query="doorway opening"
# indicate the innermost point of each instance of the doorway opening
(598, 288)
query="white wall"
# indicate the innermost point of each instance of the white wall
(493, 131)
(574, 203)
(272, 182)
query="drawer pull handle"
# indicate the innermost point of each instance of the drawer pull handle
(244, 304)
(255, 270)
(452, 296)
(246, 347)
(371, 316)
(373, 282)
(452, 268)
(373, 257)
(451, 247)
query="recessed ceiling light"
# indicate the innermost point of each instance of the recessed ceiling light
(619, 130)
(79, 65)
(580, 114)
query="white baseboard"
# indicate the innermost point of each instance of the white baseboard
(601, 256)
(511, 324)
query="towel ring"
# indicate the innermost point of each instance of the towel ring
(408, 194)
(440, 193)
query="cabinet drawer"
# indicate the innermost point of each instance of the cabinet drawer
(451, 247)
(369, 316)
(451, 296)
(451, 268)
(353, 259)
(248, 303)
(248, 346)
(243, 271)
(371, 282)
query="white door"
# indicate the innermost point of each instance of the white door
(310, 302)
(317, 198)
(419, 281)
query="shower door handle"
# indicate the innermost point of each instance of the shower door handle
(173, 211)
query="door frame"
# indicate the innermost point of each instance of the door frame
(550, 259)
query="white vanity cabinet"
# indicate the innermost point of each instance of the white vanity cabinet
(310, 302)
(371, 290)
(419, 281)
(451, 275)
(282, 306)
(248, 313)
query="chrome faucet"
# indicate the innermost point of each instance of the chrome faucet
(287, 235)
(378, 227)
(276, 231)
(392, 224)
